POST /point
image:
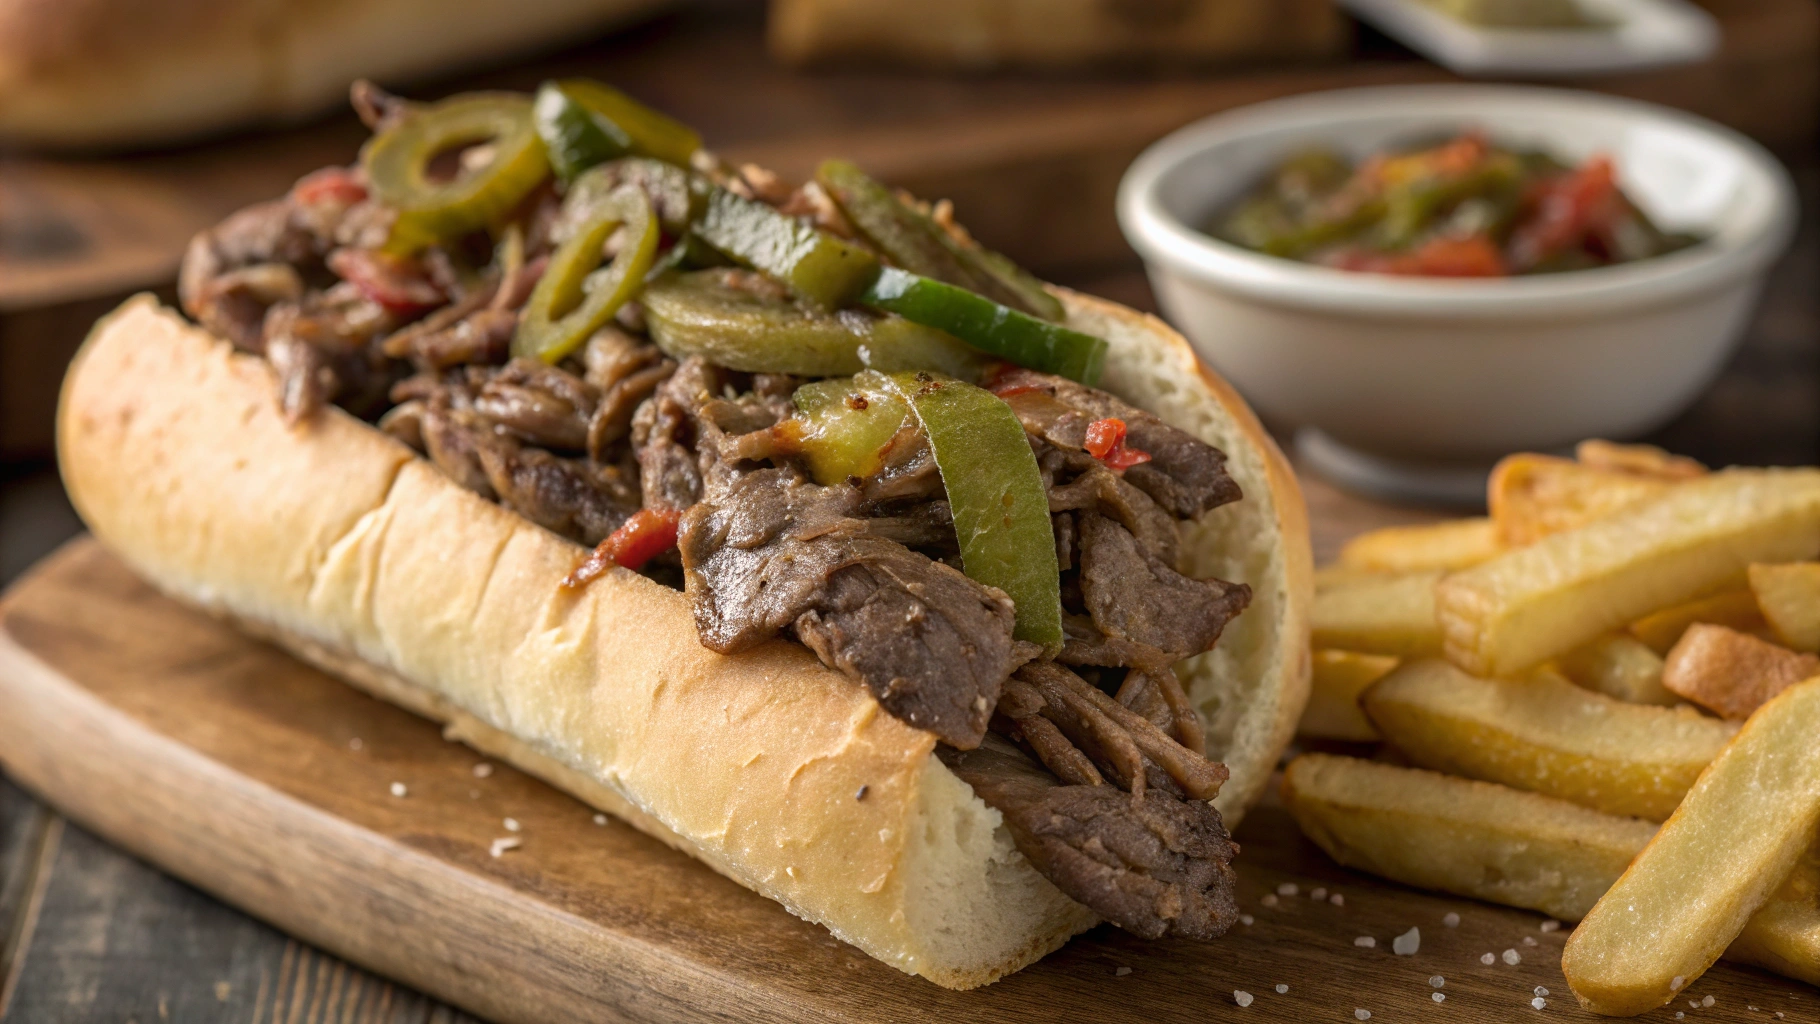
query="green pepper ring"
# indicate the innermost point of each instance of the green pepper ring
(576, 296)
(398, 159)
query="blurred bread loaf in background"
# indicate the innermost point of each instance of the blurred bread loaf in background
(93, 74)
(983, 34)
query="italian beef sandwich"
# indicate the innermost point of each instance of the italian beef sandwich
(954, 611)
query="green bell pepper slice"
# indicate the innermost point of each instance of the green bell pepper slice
(584, 123)
(576, 295)
(820, 267)
(746, 322)
(844, 425)
(398, 159)
(1001, 511)
(988, 326)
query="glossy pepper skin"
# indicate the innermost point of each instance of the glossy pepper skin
(818, 266)
(397, 163)
(649, 533)
(1001, 510)
(584, 123)
(575, 296)
(988, 326)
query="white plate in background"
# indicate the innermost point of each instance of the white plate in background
(1638, 34)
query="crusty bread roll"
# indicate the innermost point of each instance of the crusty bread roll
(344, 546)
(106, 73)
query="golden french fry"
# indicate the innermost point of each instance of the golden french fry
(1474, 839)
(1618, 665)
(1533, 496)
(1546, 735)
(1789, 597)
(1494, 843)
(1732, 673)
(1378, 614)
(1720, 858)
(1526, 606)
(1640, 459)
(1661, 630)
(1328, 577)
(1449, 544)
(1333, 700)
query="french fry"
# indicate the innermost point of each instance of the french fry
(1546, 735)
(1449, 544)
(1333, 701)
(1789, 597)
(1618, 665)
(1533, 496)
(1474, 839)
(1661, 630)
(1491, 842)
(1638, 459)
(1732, 673)
(1333, 575)
(1379, 614)
(1526, 606)
(1730, 846)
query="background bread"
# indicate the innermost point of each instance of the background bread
(346, 547)
(93, 73)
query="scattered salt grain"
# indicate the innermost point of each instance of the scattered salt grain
(1529, 940)
(1365, 942)
(1246, 919)
(1437, 982)
(1241, 998)
(1539, 1003)
(1541, 991)
(1269, 900)
(1407, 943)
(1337, 900)
(1488, 959)
(512, 825)
(1287, 889)
(1319, 892)
(1708, 1001)
(1362, 1014)
(355, 744)
(1121, 972)
(1693, 1004)
(1282, 989)
(483, 770)
(398, 789)
(1439, 997)
(1752, 1009)
(1512, 957)
(1550, 925)
(1451, 919)
(1675, 983)
(501, 845)
(1679, 1014)
(600, 819)
(1779, 1015)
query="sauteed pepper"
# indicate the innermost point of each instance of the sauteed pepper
(820, 267)
(1001, 511)
(584, 123)
(988, 326)
(398, 163)
(845, 427)
(745, 321)
(576, 295)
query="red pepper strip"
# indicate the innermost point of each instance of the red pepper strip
(396, 283)
(1106, 442)
(649, 533)
(329, 185)
(1472, 256)
(1569, 208)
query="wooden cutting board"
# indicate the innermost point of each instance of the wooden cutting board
(270, 785)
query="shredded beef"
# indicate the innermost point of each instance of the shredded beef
(1153, 865)
(1134, 595)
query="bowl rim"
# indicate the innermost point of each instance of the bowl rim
(1163, 239)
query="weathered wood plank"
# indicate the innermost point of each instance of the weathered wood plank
(25, 828)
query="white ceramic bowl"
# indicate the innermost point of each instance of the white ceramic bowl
(1457, 370)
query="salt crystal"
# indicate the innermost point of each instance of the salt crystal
(1318, 893)
(483, 770)
(355, 744)
(1550, 925)
(1437, 982)
(501, 845)
(1281, 989)
(1407, 943)
(1693, 1004)
(1362, 1014)
(1439, 997)
(1541, 991)
(1288, 889)
(1269, 900)
(1451, 919)
(1708, 1001)
(1675, 984)
(1529, 940)
(1751, 1009)
(1488, 959)
(1512, 957)
(1246, 919)
(600, 819)
(1539, 1003)
(1121, 972)
(1365, 942)
(398, 789)
(512, 825)
(1680, 1014)
(1337, 900)
(1241, 998)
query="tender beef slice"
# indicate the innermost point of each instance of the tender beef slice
(769, 550)
(1134, 595)
(1155, 866)
(1101, 490)
(928, 526)
(475, 337)
(233, 272)
(322, 349)
(664, 434)
(1185, 475)
(540, 404)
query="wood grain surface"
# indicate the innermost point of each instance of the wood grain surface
(235, 768)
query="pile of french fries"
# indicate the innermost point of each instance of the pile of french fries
(1627, 639)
